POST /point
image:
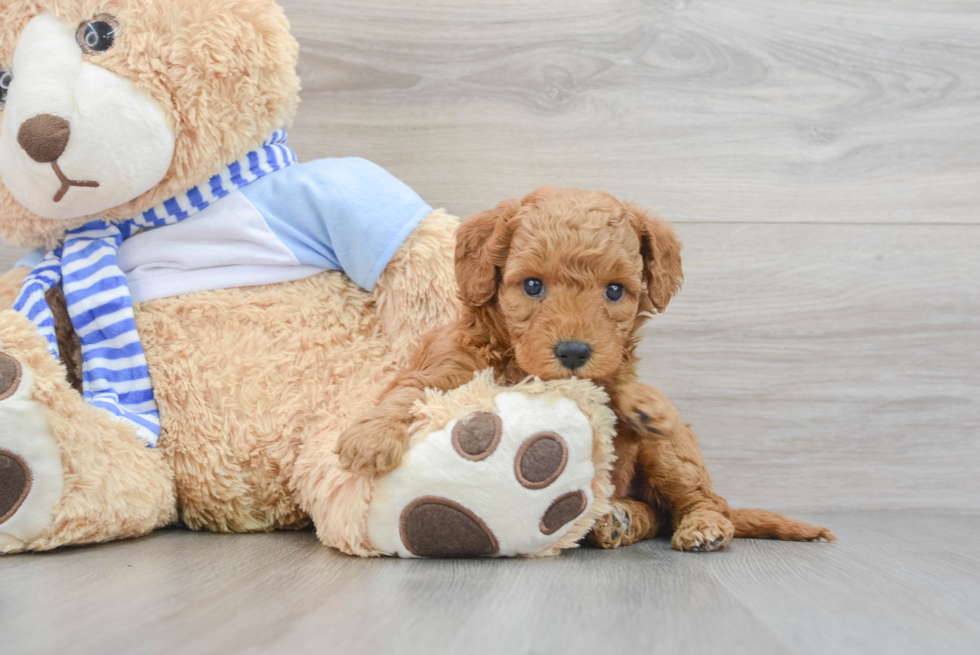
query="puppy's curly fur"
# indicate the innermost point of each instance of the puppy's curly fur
(577, 244)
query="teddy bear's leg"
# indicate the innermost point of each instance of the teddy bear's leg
(69, 473)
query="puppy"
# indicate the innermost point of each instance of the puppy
(557, 285)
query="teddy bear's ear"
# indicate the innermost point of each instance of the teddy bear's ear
(661, 250)
(482, 244)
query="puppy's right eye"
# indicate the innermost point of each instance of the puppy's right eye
(534, 287)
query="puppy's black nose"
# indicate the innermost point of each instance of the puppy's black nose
(573, 354)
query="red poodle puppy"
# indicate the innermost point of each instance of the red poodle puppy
(557, 285)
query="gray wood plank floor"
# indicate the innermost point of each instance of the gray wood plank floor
(896, 582)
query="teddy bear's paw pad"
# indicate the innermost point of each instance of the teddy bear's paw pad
(563, 511)
(503, 483)
(31, 476)
(10, 376)
(540, 461)
(477, 437)
(15, 483)
(439, 527)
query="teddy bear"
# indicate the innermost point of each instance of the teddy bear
(203, 314)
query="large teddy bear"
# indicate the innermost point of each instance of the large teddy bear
(203, 315)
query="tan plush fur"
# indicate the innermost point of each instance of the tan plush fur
(222, 70)
(10, 283)
(247, 380)
(244, 377)
(114, 486)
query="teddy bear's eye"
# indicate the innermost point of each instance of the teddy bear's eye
(6, 79)
(97, 35)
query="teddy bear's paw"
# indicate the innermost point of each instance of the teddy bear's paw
(31, 476)
(509, 482)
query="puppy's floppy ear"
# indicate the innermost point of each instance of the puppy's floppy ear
(482, 243)
(661, 250)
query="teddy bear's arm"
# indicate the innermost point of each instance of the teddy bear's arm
(10, 283)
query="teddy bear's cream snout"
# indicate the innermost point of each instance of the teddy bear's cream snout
(77, 139)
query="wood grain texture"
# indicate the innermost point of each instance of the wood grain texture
(828, 366)
(758, 111)
(10, 255)
(898, 583)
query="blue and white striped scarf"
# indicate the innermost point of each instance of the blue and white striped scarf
(115, 376)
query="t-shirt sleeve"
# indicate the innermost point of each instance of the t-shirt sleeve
(32, 259)
(341, 214)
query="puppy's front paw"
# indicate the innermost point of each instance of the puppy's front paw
(703, 531)
(647, 411)
(372, 447)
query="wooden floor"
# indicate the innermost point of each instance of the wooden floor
(897, 583)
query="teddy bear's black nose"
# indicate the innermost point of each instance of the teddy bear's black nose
(573, 354)
(44, 137)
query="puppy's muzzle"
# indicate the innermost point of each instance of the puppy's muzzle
(573, 354)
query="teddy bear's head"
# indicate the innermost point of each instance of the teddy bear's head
(109, 107)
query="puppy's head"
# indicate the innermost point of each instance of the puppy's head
(570, 275)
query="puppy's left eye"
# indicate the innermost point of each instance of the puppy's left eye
(534, 287)
(98, 35)
(614, 292)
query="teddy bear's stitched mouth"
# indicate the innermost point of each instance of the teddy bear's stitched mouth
(67, 183)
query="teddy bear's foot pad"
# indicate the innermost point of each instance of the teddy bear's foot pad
(15, 483)
(438, 527)
(502, 483)
(31, 476)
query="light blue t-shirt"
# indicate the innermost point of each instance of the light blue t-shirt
(331, 214)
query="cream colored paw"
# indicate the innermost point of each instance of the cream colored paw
(31, 475)
(509, 482)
